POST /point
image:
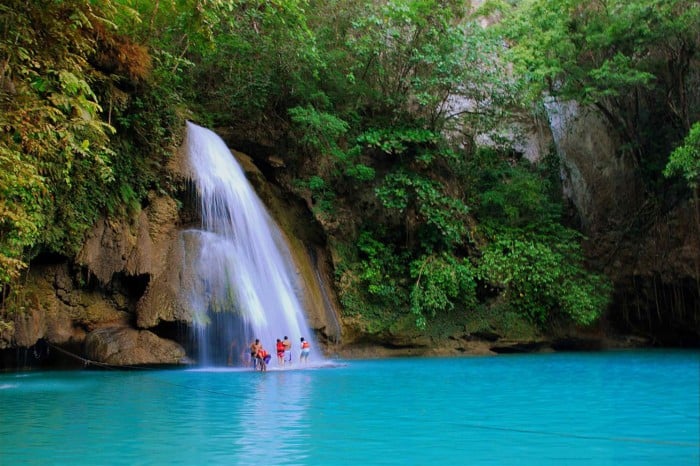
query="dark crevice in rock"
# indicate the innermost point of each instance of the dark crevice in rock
(483, 335)
(189, 212)
(41, 356)
(578, 344)
(520, 347)
(179, 332)
(131, 286)
(48, 258)
(668, 314)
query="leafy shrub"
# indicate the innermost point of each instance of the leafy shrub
(440, 282)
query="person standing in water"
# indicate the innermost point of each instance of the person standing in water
(264, 358)
(254, 348)
(280, 352)
(287, 349)
(305, 350)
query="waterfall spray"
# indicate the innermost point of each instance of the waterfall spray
(245, 280)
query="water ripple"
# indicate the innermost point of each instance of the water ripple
(629, 408)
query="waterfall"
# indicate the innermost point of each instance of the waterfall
(245, 282)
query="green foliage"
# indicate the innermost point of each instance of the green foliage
(361, 172)
(149, 128)
(21, 205)
(632, 60)
(530, 255)
(318, 130)
(394, 141)
(250, 57)
(440, 282)
(371, 278)
(592, 51)
(81, 130)
(685, 159)
(441, 215)
(394, 69)
(379, 269)
(406, 52)
(513, 196)
(322, 195)
(52, 134)
(540, 279)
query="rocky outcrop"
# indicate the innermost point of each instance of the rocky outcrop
(603, 185)
(131, 274)
(147, 245)
(122, 346)
(56, 308)
(164, 299)
(651, 254)
(119, 272)
(133, 246)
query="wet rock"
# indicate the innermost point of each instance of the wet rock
(135, 246)
(124, 346)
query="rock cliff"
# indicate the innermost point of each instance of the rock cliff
(119, 300)
(650, 251)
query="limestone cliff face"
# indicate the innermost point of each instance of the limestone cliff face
(111, 301)
(651, 254)
(603, 185)
(149, 247)
(306, 241)
(66, 302)
(58, 310)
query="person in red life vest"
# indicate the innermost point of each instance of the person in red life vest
(305, 350)
(280, 352)
(263, 358)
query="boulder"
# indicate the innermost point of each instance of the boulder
(123, 346)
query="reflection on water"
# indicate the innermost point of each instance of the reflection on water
(627, 408)
(276, 427)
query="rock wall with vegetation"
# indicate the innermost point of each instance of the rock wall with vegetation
(390, 131)
(650, 251)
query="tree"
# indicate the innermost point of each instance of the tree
(629, 59)
(53, 139)
(529, 255)
(685, 159)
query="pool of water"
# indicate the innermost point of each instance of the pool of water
(616, 408)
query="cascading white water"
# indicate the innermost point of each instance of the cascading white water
(245, 280)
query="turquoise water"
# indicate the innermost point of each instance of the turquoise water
(615, 408)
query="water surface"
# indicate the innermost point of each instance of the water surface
(614, 408)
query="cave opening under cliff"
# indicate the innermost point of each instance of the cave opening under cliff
(666, 313)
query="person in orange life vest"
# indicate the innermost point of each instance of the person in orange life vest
(287, 349)
(280, 352)
(263, 358)
(305, 350)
